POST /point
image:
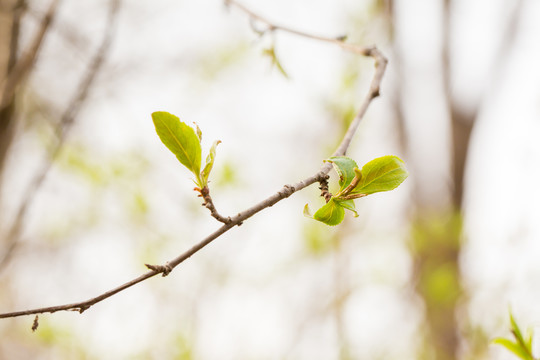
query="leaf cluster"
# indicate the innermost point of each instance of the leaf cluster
(520, 346)
(381, 174)
(185, 142)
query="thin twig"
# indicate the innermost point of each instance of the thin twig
(65, 124)
(285, 192)
(209, 204)
(372, 51)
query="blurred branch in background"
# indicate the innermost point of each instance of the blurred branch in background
(14, 68)
(19, 68)
(285, 192)
(67, 119)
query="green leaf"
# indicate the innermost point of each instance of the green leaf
(307, 212)
(529, 339)
(521, 347)
(271, 52)
(331, 214)
(513, 347)
(180, 139)
(209, 163)
(515, 329)
(381, 174)
(344, 166)
(198, 131)
(349, 205)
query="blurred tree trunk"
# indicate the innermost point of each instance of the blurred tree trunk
(437, 242)
(435, 239)
(436, 245)
(437, 220)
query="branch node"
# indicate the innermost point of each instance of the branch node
(287, 191)
(256, 29)
(369, 51)
(163, 269)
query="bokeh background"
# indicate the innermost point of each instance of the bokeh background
(89, 194)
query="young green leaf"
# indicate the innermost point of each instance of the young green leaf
(307, 212)
(198, 131)
(529, 340)
(209, 163)
(331, 214)
(381, 174)
(521, 347)
(180, 139)
(349, 205)
(271, 52)
(513, 347)
(515, 330)
(344, 166)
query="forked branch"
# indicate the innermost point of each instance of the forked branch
(319, 177)
(209, 204)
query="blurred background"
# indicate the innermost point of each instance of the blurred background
(89, 194)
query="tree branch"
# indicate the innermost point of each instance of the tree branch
(285, 192)
(372, 51)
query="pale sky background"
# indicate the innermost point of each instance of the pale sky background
(256, 293)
